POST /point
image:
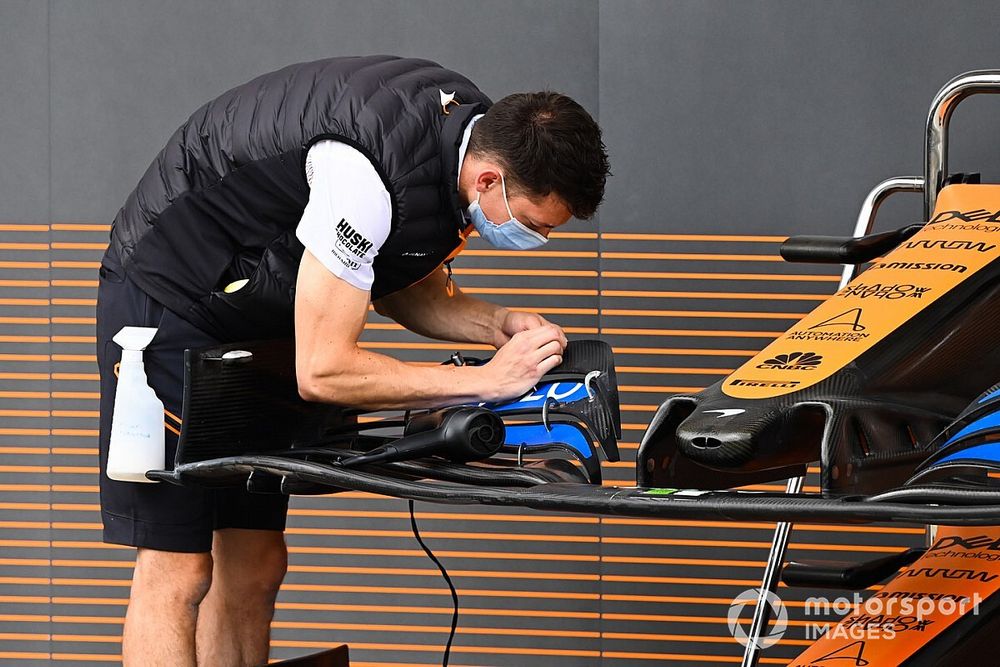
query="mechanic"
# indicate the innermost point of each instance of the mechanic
(285, 207)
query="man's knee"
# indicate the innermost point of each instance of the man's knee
(272, 563)
(251, 562)
(172, 576)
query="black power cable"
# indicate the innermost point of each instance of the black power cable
(444, 573)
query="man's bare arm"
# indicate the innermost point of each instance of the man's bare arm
(428, 309)
(434, 309)
(330, 366)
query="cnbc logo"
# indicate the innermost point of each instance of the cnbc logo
(793, 361)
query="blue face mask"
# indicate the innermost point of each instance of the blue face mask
(510, 235)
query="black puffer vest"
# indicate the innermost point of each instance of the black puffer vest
(222, 199)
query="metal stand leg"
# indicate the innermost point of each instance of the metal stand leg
(769, 583)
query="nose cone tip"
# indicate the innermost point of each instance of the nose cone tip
(721, 438)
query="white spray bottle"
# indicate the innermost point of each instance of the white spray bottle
(137, 438)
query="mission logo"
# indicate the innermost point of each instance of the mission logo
(921, 266)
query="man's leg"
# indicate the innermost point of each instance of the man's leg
(167, 588)
(234, 622)
(170, 525)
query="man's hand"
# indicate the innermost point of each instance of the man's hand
(516, 321)
(521, 362)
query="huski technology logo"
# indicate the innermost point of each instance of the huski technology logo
(793, 361)
(778, 613)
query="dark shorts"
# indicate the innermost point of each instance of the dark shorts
(162, 516)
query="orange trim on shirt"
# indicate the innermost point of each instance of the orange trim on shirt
(465, 233)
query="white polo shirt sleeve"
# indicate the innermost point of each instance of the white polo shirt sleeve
(349, 213)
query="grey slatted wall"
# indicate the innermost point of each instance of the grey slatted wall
(729, 124)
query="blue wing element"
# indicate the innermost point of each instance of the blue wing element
(974, 446)
(564, 392)
(990, 421)
(986, 453)
(530, 435)
(569, 437)
(990, 396)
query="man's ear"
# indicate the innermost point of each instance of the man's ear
(488, 177)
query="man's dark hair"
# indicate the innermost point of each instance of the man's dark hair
(547, 143)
